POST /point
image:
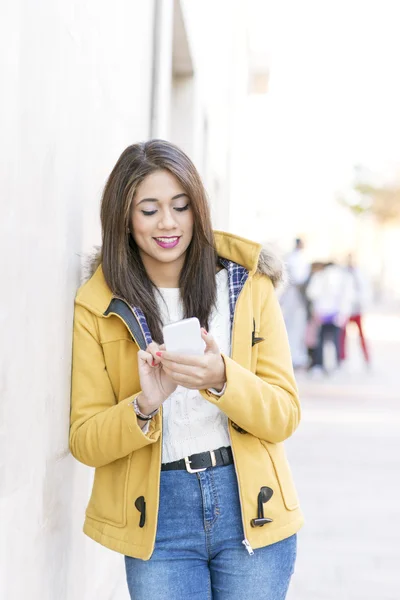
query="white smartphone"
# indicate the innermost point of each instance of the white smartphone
(184, 337)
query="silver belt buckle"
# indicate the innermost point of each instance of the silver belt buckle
(189, 468)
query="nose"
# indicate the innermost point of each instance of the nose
(167, 220)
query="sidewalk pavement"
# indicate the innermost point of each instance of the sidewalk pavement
(346, 461)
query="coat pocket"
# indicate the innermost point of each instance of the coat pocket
(109, 494)
(283, 474)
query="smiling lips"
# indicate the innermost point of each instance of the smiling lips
(167, 242)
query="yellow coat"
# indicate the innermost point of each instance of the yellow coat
(261, 401)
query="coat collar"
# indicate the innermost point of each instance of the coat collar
(256, 258)
(96, 295)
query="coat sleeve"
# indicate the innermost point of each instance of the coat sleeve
(102, 430)
(265, 403)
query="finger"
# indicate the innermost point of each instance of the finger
(187, 381)
(193, 360)
(211, 344)
(180, 369)
(153, 348)
(146, 357)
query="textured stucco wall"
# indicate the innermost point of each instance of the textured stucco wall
(76, 87)
(76, 82)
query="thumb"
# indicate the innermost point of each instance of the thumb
(211, 344)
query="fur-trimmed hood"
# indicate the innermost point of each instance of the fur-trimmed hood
(90, 263)
(270, 263)
(263, 259)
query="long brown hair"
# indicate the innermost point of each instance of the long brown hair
(122, 265)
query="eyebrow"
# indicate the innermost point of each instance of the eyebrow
(155, 199)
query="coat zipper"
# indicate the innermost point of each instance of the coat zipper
(245, 542)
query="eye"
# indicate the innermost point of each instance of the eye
(181, 208)
(148, 213)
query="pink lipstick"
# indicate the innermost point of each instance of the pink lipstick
(167, 242)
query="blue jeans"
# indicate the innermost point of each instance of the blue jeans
(199, 553)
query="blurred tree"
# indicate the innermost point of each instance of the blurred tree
(369, 196)
(385, 201)
(380, 200)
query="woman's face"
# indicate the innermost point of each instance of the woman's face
(161, 220)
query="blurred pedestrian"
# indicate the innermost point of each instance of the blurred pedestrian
(331, 293)
(294, 304)
(198, 495)
(313, 323)
(360, 300)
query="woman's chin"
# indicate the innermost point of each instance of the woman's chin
(167, 255)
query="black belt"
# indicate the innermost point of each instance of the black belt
(200, 462)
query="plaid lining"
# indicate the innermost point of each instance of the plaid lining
(237, 277)
(143, 324)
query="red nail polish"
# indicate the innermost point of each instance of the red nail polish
(205, 331)
(158, 354)
(153, 364)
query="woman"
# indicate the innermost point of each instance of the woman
(192, 483)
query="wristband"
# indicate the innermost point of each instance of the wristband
(140, 414)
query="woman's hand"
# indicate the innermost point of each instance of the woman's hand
(155, 383)
(196, 372)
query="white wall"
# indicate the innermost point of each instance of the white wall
(217, 37)
(201, 87)
(160, 126)
(76, 86)
(183, 114)
(76, 89)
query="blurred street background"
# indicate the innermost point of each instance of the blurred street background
(346, 460)
(290, 112)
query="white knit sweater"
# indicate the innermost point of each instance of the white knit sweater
(190, 423)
